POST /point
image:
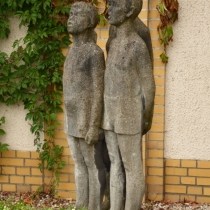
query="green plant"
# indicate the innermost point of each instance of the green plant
(52, 156)
(3, 147)
(2, 121)
(168, 10)
(103, 20)
(32, 73)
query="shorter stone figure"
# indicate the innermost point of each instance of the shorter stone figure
(83, 85)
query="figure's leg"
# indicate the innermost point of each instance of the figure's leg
(81, 172)
(96, 172)
(130, 148)
(117, 178)
(107, 163)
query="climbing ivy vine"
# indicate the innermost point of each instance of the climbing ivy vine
(32, 73)
(168, 10)
(3, 147)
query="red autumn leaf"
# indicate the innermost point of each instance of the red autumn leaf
(27, 201)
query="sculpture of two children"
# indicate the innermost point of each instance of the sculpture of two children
(119, 99)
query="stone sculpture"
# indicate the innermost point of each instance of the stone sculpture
(83, 85)
(128, 104)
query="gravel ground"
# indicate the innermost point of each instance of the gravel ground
(38, 200)
(165, 205)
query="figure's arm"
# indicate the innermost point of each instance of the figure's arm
(148, 42)
(144, 33)
(97, 65)
(147, 84)
(112, 35)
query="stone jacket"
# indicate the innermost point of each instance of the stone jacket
(83, 85)
(128, 79)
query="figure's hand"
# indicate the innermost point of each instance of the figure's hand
(92, 136)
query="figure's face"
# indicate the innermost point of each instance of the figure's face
(78, 22)
(116, 12)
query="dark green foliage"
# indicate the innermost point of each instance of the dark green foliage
(32, 73)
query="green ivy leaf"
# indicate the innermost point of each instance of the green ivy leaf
(2, 120)
(4, 147)
(2, 132)
(102, 20)
(161, 9)
(169, 32)
(164, 57)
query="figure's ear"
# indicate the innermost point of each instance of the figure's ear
(91, 22)
(131, 11)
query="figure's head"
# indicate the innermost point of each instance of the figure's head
(82, 16)
(120, 10)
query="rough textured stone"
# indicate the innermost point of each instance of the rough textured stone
(141, 29)
(83, 85)
(128, 104)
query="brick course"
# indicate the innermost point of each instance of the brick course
(190, 177)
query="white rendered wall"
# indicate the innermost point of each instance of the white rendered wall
(187, 120)
(18, 134)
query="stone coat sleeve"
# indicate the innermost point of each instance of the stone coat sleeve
(97, 68)
(145, 67)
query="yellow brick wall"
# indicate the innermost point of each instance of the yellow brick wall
(187, 179)
(155, 138)
(20, 172)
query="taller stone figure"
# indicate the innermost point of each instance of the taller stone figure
(83, 85)
(128, 104)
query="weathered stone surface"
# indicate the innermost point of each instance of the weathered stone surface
(141, 29)
(83, 85)
(128, 104)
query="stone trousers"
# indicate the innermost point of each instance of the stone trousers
(126, 166)
(90, 177)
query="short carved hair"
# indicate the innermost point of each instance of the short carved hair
(89, 11)
(136, 4)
